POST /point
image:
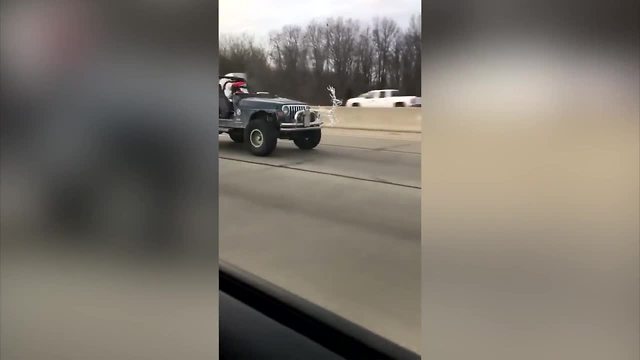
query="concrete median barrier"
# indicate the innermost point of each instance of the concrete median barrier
(377, 119)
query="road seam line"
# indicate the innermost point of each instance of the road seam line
(323, 173)
(386, 149)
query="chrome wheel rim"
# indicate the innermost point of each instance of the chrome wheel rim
(256, 138)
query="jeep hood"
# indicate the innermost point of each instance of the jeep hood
(273, 101)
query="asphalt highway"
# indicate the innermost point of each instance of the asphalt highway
(338, 225)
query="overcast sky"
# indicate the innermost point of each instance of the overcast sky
(258, 17)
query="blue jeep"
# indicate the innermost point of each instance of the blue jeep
(259, 119)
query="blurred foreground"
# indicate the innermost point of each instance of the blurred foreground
(109, 180)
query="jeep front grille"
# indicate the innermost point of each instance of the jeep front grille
(293, 109)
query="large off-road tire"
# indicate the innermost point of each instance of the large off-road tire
(262, 137)
(237, 136)
(355, 105)
(308, 140)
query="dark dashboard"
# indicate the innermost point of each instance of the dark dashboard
(259, 320)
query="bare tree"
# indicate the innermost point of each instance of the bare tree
(395, 60)
(301, 63)
(294, 52)
(363, 73)
(316, 41)
(241, 54)
(275, 50)
(412, 53)
(384, 32)
(341, 40)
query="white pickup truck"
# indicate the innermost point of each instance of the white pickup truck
(384, 98)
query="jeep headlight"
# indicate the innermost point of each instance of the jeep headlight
(285, 109)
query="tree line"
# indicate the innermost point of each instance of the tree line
(301, 61)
